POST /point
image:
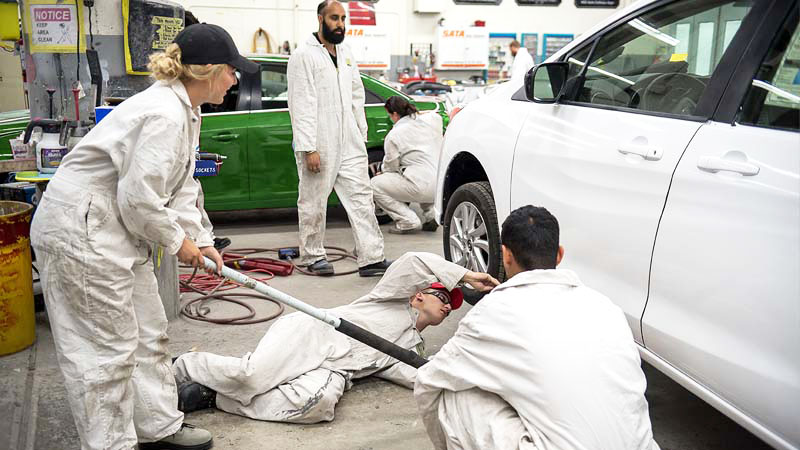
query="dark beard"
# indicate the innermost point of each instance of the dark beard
(330, 36)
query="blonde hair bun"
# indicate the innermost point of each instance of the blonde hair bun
(167, 66)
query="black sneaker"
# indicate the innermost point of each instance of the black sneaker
(220, 243)
(321, 267)
(430, 225)
(194, 397)
(374, 270)
(188, 437)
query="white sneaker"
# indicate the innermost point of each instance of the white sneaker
(188, 437)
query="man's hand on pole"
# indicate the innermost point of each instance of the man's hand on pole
(313, 162)
(213, 255)
(189, 254)
(482, 282)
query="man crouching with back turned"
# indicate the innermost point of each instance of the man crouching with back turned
(542, 362)
(302, 366)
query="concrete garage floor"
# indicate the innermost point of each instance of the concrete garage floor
(374, 415)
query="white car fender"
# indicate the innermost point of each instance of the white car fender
(501, 127)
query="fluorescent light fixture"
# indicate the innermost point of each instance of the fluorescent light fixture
(601, 71)
(647, 29)
(777, 91)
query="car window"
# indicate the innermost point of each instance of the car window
(229, 102)
(274, 87)
(660, 61)
(773, 99)
(372, 98)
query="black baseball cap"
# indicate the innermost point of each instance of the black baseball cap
(204, 43)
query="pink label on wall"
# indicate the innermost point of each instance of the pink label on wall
(52, 14)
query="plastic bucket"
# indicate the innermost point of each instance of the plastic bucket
(17, 321)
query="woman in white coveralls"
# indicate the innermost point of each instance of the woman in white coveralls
(126, 185)
(408, 172)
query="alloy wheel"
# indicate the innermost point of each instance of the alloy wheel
(469, 241)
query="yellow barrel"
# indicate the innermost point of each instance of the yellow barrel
(17, 325)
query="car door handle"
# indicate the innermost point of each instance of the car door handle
(225, 137)
(645, 151)
(715, 164)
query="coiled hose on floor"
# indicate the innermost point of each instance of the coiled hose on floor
(212, 287)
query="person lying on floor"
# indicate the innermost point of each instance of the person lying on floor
(302, 366)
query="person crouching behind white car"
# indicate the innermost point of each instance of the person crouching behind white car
(126, 186)
(302, 365)
(408, 171)
(542, 362)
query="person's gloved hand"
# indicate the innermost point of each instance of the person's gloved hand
(213, 255)
(313, 162)
(481, 282)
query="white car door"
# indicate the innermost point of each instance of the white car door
(601, 160)
(724, 304)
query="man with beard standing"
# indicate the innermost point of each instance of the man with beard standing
(326, 104)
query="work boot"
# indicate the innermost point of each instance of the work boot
(321, 267)
(374, 270)
(394, 229)
(430, 225)
(188, 437)
(194, 396)
(220, 243)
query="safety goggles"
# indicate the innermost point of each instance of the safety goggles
(441, 295)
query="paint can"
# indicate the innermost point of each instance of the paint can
(17, 321)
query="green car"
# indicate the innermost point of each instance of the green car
(12, 123)
(252, 129)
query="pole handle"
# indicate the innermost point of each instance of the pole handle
(341, 325)
(381, 344)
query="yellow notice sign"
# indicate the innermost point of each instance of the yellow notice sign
(54, 27)
(676, 57)
(168, 28)
(148, 27)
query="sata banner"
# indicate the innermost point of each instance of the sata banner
(371, 47)
(463, 49)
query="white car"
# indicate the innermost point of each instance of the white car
(665, 140)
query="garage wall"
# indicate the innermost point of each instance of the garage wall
(293, 20)
(11, 92)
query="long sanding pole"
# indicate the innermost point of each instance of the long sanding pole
(341, 325)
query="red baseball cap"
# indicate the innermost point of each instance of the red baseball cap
(456, 296)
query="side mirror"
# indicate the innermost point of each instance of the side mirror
(545, 82)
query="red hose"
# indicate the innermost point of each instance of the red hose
(211, 286)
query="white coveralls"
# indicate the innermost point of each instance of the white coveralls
(302, 366)
(126, 184)
(523, 62)
(542, 362)
(326, 105)
(408, 173)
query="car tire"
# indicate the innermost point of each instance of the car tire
(472, 207)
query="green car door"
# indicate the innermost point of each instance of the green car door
(224, 130)
(271, 163)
